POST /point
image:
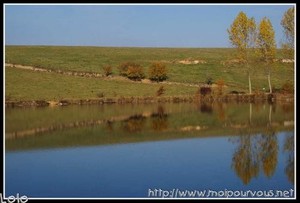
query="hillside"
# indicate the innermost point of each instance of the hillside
(187, 66)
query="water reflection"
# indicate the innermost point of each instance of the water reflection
(255, 150)
(220, 108)
(137, 123)
(109, 125)
(255, 153)
(287, 108)
(171, 120)
(245, 161)
(159, 119)
(206, 107)
(289, 149)
(133, 124)
(269, 152)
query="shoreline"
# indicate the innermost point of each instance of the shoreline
(235, 98)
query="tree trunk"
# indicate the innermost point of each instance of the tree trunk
(269, 80)
(249, 79)
(270, 114)
(250, 113)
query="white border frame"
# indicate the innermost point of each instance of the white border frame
(151, 4)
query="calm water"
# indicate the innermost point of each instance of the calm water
(131, 150)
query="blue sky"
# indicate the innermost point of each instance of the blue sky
(131, 25)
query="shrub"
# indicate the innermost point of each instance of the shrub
(205, 90)
(287, 88)
(135, 72)
(161, 90)
(158, 72)
(124, 67)
(220, 84)
(131, 70)
(107, 70)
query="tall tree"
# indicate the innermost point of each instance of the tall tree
(288, 23)
(242, 35)
(266, 45)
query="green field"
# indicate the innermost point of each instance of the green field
(29, 85)
(26, 84)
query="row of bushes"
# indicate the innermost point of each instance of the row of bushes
(134, 71)
(158, 72)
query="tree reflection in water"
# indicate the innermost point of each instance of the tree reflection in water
(268, 151)
(289, 149)
(221, 111)
(133, 124)
(255, 152)
(206, 108)
(159, 119)
(109, 126)
(245, 160)
(137, 123)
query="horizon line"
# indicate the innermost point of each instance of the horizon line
(162, 47)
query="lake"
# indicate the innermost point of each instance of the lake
(182, 150)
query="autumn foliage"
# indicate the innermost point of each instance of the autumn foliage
(242, 35)
(107, 70)
(132, 71)
(161, 90)
(220, 85)
(158, 72)
(288, 25)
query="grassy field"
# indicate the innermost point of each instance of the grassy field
(29, 85)
(22, 84)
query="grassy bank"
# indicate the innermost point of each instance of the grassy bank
(29, 85)
(214, 63)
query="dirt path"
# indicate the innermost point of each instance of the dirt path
(72, 73)
(94, 75)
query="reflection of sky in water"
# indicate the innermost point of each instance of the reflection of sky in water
(129, 170)
(134, 148)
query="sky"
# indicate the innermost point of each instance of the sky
(196, 25)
